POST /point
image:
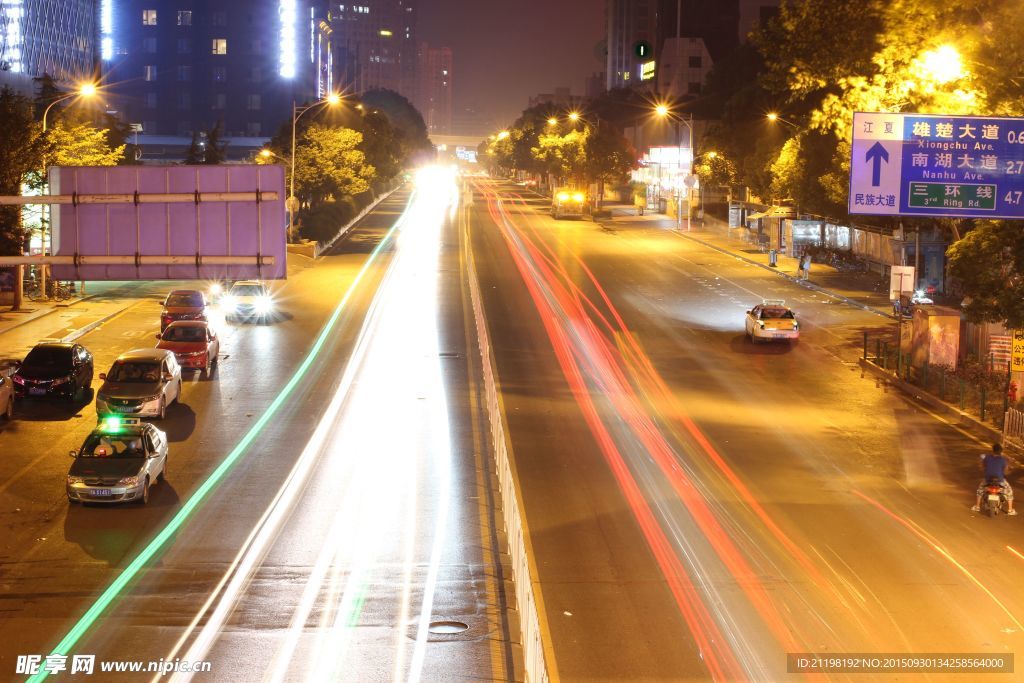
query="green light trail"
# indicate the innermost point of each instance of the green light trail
(192, 504)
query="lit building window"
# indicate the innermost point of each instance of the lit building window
(149, 72)
(220, 46)
(184, 17)
(149, 17)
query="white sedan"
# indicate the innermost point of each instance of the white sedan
(772, 319)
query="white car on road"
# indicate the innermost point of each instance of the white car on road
(772, 319)
(141, 383)
(248, 300)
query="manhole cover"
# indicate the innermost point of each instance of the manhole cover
(447, 627)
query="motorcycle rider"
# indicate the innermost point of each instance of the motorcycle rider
(994, 467)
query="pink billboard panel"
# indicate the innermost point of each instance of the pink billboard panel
(199, 230)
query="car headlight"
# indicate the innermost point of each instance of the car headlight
(578, 197)
(563, 196)
(72, 480)
(61, 380)
(263, 304)
(128, 481)
(216, 289)
(151, 399)
(229, 303)
(18, 379)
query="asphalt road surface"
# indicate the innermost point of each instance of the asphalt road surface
(327, 513)
(699, 506)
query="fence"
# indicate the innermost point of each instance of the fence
(1013, 425)
(977, 388)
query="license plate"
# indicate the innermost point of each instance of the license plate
(124, 409)
(99, 492)
(993, 498)
(35, 391)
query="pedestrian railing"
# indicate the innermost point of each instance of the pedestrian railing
(977, 388)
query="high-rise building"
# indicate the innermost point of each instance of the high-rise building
(632, 39)
(56, 37)
(435, 89)
(182, 66)
(375, 46)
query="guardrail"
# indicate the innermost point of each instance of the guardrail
(322, 247)
(524, 573)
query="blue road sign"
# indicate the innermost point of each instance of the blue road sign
(927, 165)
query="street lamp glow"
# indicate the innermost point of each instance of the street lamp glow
(503, 134)
(661, 110)
(574, 116)
(87, 90)
(773, 117)
(552, 121)
(333, 99)
(266, 153)
(943, 64)
(712, 154)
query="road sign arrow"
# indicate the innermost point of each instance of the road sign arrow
(877, 154)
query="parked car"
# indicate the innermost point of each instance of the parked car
(248, 300)
(118, 462)
(6, 398)
(183, 304)
(140, 383)
(193, 343)
(54, 369)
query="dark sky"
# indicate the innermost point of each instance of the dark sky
(505, 51)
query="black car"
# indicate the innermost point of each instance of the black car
(54, 370)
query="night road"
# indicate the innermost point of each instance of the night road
(699, 506)
(353, 513)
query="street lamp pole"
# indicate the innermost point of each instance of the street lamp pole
(87, 90)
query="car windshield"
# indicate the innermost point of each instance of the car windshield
(184, 300)
(247, 290)
(48, 357)
(190, 333)
(134, 371)
(777, 313)
(113, 446)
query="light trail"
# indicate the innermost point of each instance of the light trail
(99, 607)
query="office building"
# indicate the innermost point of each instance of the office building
(435, 89)
(56, 37)
(183, 66)
(632, 33)
(374, 46)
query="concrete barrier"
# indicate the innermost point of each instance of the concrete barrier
(537, 654)
(321, 247)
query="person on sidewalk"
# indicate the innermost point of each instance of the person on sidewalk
(805, 266)
(994, 467)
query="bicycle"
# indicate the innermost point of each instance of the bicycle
(59, 291)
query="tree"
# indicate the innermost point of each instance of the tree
(216, 146)
(609, 156)
(329, 163)
(563, 156)
(714, 169)
(988, 267)
(195, 154)
(21, 151)
(406, 119)
(381, 145)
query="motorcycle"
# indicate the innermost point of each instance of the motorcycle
(993, 502)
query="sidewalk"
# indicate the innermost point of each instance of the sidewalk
(865, 290)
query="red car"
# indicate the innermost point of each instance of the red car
(192, 342)
(183, 304)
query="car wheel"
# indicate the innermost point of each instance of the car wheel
(144, 498)
(163, 409)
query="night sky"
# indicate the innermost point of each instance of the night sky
(504, 52)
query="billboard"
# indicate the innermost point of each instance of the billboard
(191, 226)
(927, 165)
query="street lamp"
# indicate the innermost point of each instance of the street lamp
(663, 111)
(773, 117)
(574, 116)
(503, 134)
(552, 121)
(293, 202)
(85, 90)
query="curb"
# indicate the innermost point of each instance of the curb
(82, 331)
(802, 283)
(321, 250)
(937, 404)
(44, 313)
